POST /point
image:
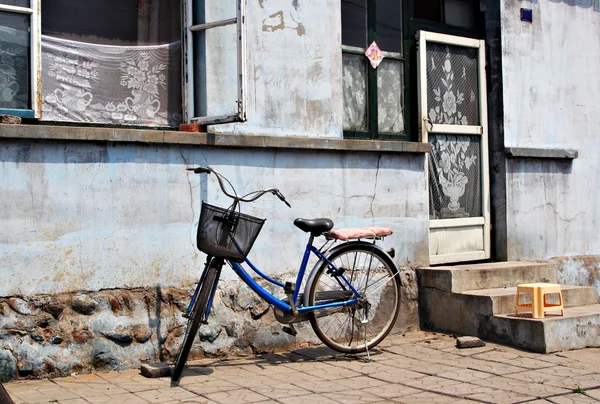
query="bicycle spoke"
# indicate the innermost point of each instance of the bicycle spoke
(369, 274)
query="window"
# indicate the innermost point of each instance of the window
(458, 13)
(19, 34)
(216, 52)
(373, 97)
(112, 62)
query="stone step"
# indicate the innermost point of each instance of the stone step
(502, 300)
(578, 328)
(459, 278)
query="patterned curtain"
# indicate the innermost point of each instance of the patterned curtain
(132, 85)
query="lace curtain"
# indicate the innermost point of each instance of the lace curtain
(135, 85)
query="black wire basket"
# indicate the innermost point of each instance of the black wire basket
(226, 233)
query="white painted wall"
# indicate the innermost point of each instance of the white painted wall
(84, 216)
(293, 68)
(551, 100)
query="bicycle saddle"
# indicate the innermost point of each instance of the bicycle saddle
(316, 227)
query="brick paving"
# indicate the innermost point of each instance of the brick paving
(417, 367)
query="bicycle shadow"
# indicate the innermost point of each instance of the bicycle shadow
(265, 360)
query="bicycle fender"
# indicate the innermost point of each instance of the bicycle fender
(313, 272)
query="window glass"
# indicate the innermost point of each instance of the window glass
(354, 23)
(14, 61)
(112, 61)
(460, 13)
(430, 10)
(355, 92)
(389, 25)
(113, 22)
(20, 3)
(389, 97)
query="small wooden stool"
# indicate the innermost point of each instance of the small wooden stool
(539, 305)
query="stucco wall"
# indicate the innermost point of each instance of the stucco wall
(92, 216)
(293, 69)
(551, 100)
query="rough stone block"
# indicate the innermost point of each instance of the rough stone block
(469, 342)
(84, 304)
(21, 306)
(10, 119)
(156, 370)
(8, 366)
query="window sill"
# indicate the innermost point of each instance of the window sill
(541, 153)
(79, 133)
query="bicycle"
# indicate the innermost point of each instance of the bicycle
(351, 296)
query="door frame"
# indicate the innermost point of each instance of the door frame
(426, 127)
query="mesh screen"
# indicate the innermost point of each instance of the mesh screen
(452, 85)
(454, 176)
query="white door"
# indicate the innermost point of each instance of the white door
(453, 120)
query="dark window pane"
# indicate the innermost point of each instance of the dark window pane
(14, 61)
(389, 25)
(113, 22)
(460, 13)
(20, 3)
(354, 23)
(430, 10)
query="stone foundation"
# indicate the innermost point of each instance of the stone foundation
(57, 335)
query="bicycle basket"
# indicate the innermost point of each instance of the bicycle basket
(225, 233)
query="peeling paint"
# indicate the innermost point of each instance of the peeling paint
(274, 22)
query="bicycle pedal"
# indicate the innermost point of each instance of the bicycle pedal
(291, 330)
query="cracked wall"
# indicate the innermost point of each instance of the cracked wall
(92, 216)
(551, 99)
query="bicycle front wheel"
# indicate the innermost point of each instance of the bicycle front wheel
(354, 329)
(197, 317)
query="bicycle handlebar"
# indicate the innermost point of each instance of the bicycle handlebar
(245, 198)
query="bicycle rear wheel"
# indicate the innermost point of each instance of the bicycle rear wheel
(197, 317)
(353, 329)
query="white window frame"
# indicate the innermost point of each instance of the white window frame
(188, 63)
(35, 59)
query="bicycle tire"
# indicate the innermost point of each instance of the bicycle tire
(341, 329)
(196, 318)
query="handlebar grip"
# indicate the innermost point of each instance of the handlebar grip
(199, 170)
(282, 198)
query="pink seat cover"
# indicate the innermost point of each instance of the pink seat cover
(355, 233)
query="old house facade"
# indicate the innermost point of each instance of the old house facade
(471, 139)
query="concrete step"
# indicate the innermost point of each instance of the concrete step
(502, 300)
(492, 275)
(579, 328)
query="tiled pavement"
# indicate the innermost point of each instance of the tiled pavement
(418, 367)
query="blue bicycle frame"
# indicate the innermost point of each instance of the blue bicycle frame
(280, 304)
